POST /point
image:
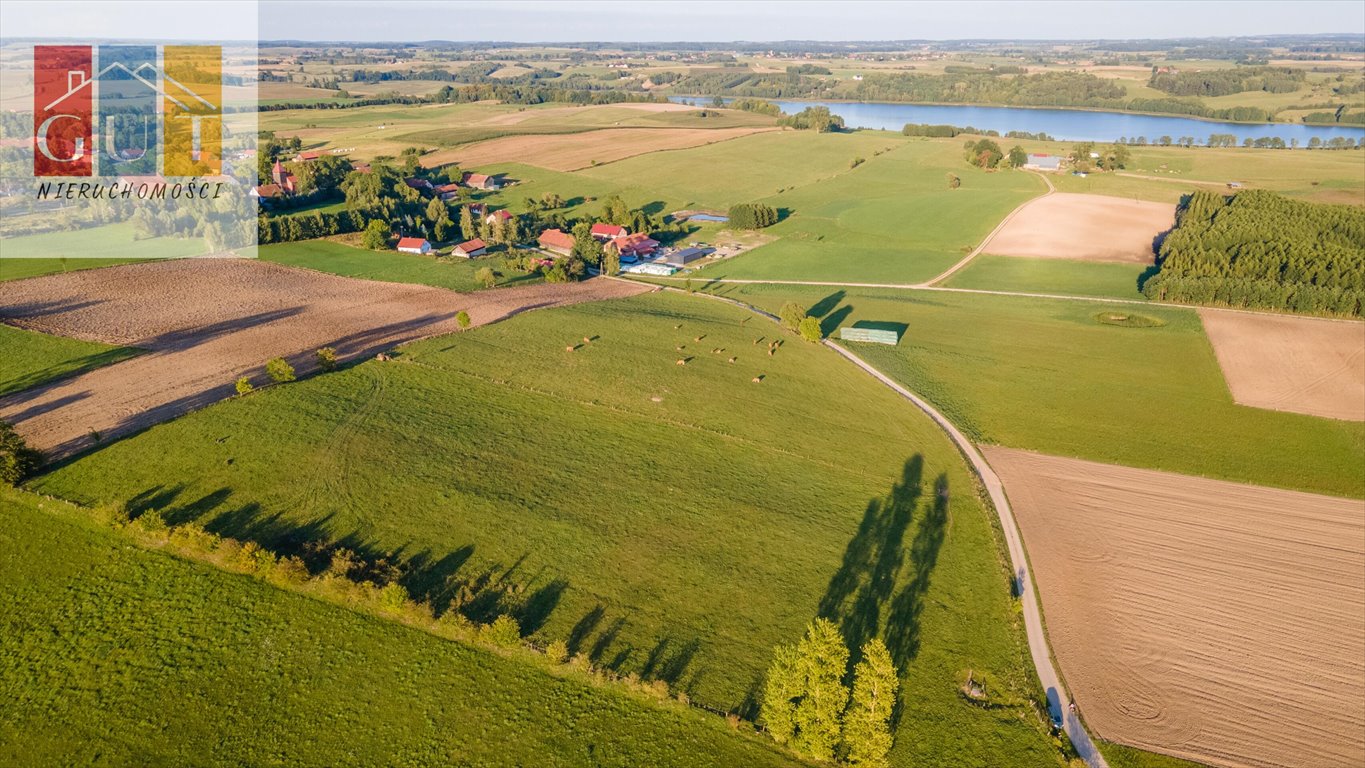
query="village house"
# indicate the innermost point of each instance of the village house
(414, 245)
(556, 241)
(502, 215)
(421, 185)
(481, 181)
(632, 247)
(605, 232)
(267, 192)
(1043, 163)
(470, 248)
(447, 192)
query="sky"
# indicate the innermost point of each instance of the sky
(672, 20)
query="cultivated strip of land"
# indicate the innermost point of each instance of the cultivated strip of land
(1209, 620)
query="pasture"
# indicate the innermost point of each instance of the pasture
(1046, 375)
(675, 521)
(1259, 666)
(100, 246)
(1053, 276)
(33, 358)
(572, 151)
(112, 654)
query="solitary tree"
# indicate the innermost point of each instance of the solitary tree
(791, 315)
(867, 723)
(376, 235)
(1018, 156)
(17, 460)
(810, 329)
(467, 228)
(244, 386)
(327, 359)
(279, 370)
(486, 277)
(462, 317)
(953, 181)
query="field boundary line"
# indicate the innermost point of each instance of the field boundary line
(990, 292)
(1051, 190)
(1058, 700)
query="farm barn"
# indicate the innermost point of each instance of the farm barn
(470, 248)
(413, 245)
(556, 241)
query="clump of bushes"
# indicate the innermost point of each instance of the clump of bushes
(244, 386)
(462, 317)
(279, 370)
(327, 359)
(809, 328)
(791, 314)
(17, 460)
(752, 216)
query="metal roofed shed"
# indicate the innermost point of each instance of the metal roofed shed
(683, 257)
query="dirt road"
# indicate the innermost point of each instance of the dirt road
(206, 322)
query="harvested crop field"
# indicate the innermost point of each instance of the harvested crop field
(1299, 364)
(570, 152)
(513, 118)
(206, 322)
(1213, 621)
(1090, 227)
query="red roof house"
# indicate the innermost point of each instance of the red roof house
(557, 241)
(502, 215)
(414, 245)
(283, 178)
(638, 244)
(480, 181)
(606, 232)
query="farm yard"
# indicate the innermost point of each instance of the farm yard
(1261, 665)
(1297, 364)
(533, 478)
(205, 323)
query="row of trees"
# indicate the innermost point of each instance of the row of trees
(1259, 249)
(807, 706)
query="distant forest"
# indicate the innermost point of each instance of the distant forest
(1262, 250)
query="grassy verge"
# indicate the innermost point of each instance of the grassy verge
(1120, 756)
(389, 266)
(37, 358)
(111, 653)
(669, 521)
(1047, 375)
(1059, 276)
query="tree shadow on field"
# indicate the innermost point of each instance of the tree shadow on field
(653, 208)
(903, 622)
(865, 582)
(826, 305)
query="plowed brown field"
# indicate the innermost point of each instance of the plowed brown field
(206, 322)
(1213, 621)
(1091, 227)
(1299, 364)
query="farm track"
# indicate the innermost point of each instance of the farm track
(206, 322)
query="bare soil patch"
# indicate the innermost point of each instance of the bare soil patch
(1213, 621)
(1089, 227)
(1299, 364)
(570, 152)
(206, 322)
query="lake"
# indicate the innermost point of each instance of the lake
(1060, 124)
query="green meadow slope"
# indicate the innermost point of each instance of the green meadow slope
(115, 655)
(672, 521)
(34, 358)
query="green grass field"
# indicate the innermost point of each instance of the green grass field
(17, 269)
(673, 521)
(103, 244)
(1044, 374)
(111, 655)
(1120, 756)
(36, 358)
(1059, 276)
(389, 266)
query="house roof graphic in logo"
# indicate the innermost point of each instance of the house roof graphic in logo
(76, 82)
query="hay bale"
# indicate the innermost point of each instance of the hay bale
(682, 361)
(570, 348)
(757, 379)
(731, 360)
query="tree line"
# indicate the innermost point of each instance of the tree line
(1258, 249)
(1223, 82)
